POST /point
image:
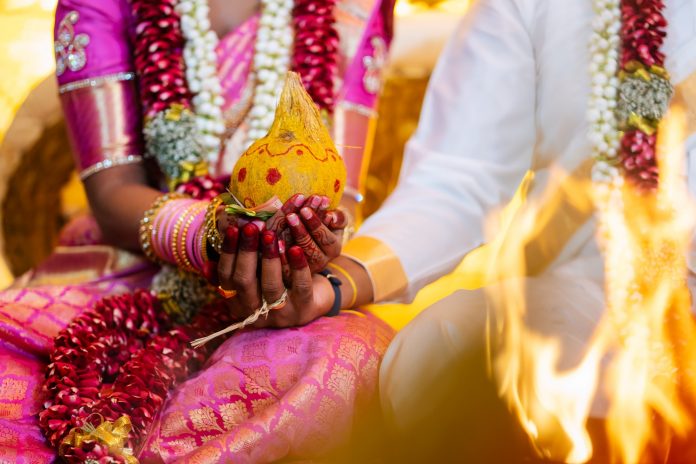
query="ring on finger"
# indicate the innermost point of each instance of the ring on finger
(280, 302)
(226, 294)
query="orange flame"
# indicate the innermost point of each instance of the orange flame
(644, 346)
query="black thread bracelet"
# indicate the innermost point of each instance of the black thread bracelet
(336, 285)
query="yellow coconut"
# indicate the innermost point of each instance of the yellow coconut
(296, 156)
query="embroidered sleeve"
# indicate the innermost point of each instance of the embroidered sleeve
(98, 88)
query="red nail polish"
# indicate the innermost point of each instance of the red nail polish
(229, 244)
(296, 258)
(269, 245)
(250, 238)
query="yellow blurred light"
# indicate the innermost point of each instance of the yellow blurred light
(411, 7)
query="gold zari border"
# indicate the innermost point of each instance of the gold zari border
(382, 265)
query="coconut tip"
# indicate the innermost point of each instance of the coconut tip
(294, 97)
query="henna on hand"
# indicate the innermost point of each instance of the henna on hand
(277, 222)
(316, 258)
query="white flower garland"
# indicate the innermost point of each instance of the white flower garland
(201, 74)
(605, 139)
(604, 65)
(272, 53)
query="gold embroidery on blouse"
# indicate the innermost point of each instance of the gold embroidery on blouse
(70, 47)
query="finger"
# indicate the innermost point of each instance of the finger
(314, 202)
(226, 264)
(324, 205)
(323, 237)
(301, 293)
(315, 257)
(272, 287)
(277, 221)
(224, 220)
(235, 308)
(210, 272)
(284, 262)
(335, 219)
(244, 276)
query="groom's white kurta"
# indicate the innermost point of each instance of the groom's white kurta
(509, 95)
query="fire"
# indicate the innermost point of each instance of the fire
(644, 347)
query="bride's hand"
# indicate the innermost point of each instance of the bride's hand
(303, 222)
(306, 298)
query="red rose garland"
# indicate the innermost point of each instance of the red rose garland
(316, 46)
(88, 354)
(158, 56)
(204, 187)
(117, 361)
(643, 31)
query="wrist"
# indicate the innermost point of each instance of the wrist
(324, 293)
(336, 284)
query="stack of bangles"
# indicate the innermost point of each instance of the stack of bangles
(173, 231)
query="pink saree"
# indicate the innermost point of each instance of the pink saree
(264, 395)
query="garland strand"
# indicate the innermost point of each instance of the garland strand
(201, 74)
(274, 41)
(630, 90)
(170, 128)
(126, 340)
(316, 49)
(604, 48)
(645, 89)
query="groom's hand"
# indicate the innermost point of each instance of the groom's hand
(317, 231)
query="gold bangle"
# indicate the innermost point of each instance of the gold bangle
(212, 234)
(192, 212)
(181, 260)
(350, 280)
(147, 224)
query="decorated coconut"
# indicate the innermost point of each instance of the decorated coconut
(296, 156)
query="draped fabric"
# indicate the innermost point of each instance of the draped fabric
(264, 395)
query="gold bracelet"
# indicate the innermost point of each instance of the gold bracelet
(350, 280)
(212, 234)
(147, 224)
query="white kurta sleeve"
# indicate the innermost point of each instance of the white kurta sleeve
(472, 147)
